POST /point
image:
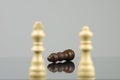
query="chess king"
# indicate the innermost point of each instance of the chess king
(37, 68)
(86, 68)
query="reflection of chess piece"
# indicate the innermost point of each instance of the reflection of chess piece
(67, 67)
(37, 68)
(86, 68)
(86, 78)
(60, 56)
(40, 78)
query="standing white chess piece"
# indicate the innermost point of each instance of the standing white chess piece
(37, 68)
(86, 68)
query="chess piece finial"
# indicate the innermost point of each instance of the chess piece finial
(86, 68)
(86, 36)
(37, 68)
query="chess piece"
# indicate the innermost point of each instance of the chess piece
(67, 67)
(37, 68)
(86, 68)
(59, 56)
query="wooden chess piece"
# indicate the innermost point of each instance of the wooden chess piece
(60, 56)
(86, 68)
(37, 68)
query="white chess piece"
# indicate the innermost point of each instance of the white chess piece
(37, 68)
(86, 68)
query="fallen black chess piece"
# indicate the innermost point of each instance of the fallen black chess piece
(60, 56)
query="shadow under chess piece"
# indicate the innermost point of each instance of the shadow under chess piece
(67, 67)
(86, 68)
(37, 68)
(60, 56)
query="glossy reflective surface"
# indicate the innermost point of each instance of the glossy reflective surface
(18, 68)
(66, 66)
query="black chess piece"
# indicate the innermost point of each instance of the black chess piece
(59, 56)
(67, 67)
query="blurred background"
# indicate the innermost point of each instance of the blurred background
(62, 20)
